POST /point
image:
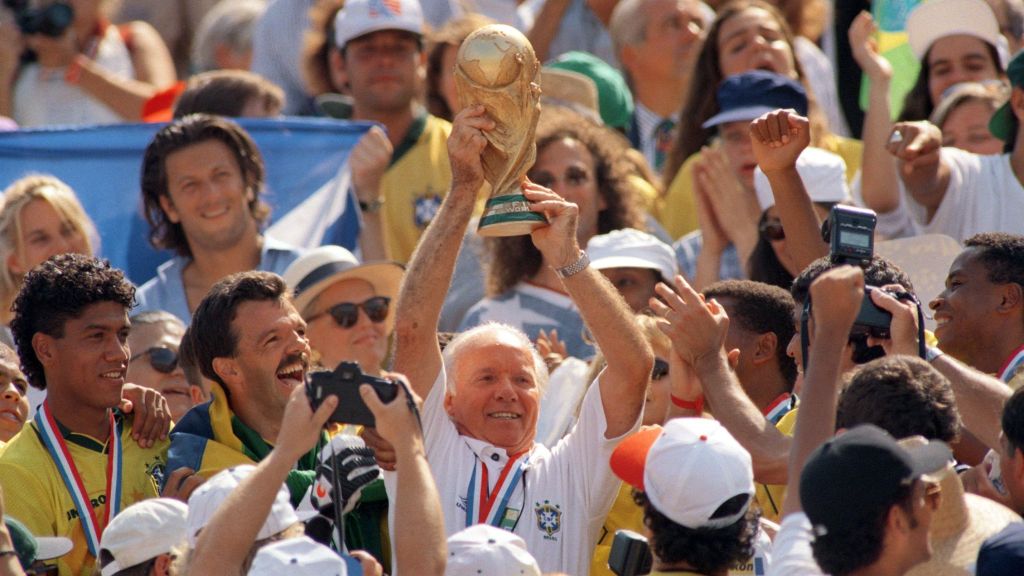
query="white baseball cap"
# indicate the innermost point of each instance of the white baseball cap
(142, 532)
(823, 174)
(687, 469)
(483, 550)
(936, 19)
(361, 17)
(203, 503)
(316, 270)
(629, 248)
(300, 557)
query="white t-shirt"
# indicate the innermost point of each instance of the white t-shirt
(791, 551)
(983, 195)
(565, 493)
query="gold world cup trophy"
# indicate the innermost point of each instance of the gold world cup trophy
(496, 67)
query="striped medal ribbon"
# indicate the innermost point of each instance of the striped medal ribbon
(480, 503)
(73, 480)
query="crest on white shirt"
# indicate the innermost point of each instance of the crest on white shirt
(549, 518)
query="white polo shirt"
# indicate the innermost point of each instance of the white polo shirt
(565, 493)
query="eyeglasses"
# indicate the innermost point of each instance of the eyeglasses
(771, 229)
(161, 358)
(660, 369)
(346, 314)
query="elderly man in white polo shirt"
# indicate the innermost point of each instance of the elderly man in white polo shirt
(481, 399)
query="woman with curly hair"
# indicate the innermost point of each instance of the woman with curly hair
(746, 35)
(585, 164)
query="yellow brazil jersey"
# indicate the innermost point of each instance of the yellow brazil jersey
(770, 496)
(415, 184)
(36, 495)
(677, 211)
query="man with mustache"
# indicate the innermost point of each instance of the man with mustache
(249, 340)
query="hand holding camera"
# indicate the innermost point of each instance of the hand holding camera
(344, 382)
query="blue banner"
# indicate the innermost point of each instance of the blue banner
(306, 180)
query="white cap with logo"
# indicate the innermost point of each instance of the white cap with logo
(361, 17)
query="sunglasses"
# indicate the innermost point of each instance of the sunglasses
(346, 314)
(161, 358)
(771, 229)
(660, 369)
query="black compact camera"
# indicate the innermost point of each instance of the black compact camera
(344, 382)
(630, 554)
(52, 20)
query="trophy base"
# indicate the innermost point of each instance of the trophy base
(509, 215)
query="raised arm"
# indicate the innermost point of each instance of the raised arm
(419, 535)
(879, 178)
(778, 139)
(417, 354)
(837, 295)
(224, 542)
(606, 314)
(918, 148)
(697, 330)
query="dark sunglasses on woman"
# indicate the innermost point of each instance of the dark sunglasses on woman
(161, 358)
(771, 229)
(346, 314)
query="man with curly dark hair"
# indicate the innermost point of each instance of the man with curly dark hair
(78, 465)
(980, 315)
(202, 177)
(709, 534)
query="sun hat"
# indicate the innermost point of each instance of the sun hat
(823, 174)
(630, 248)
(935, 19)
(361, 17)
(853, 478)
(316, 270)
(142, 532)
(31, 548)
(687, 456)
(208, 497)
(484, 550)
(747, 96)
(959, 526)
(575, 90)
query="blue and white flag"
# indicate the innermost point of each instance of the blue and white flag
(306, 180)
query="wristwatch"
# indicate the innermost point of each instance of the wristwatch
(575, 268)
(371, 207)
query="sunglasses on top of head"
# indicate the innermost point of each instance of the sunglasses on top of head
(346, 314)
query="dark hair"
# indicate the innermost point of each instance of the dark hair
(515, 258)
(56, 291)
(188, 363)
(701, 101)
(761, 308)
(180, 134)
(903, 395)
(226, 93)
(317, 46)
(451, 34)
(879, 272)
(840, 553)
(918, 105)
(1013, 420)
(211, 334)
(1002, 254)
(141, 569)
(706, 550)
(763, 264)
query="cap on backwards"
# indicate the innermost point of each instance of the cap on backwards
(1003, 121)
(361, 17)
(484, 550)
(744, 97)
(142, 532)
(31, 548)
(629, 248)
(856, 476)
(688, 456)
(823, 174)
(203, 503)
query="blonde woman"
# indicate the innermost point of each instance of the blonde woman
(40, 217)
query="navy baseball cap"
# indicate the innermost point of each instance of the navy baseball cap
(858, 475)
(1003, 554)
(747, 96)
